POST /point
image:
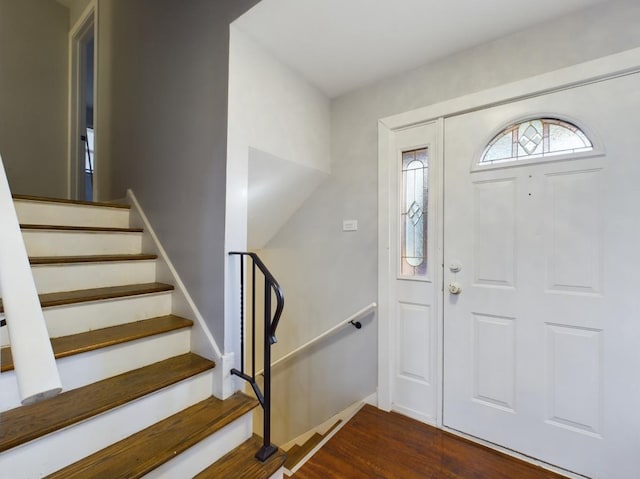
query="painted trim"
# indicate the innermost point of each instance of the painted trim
(619, 64)
(90, 14)
(385, 268)
(601, 69)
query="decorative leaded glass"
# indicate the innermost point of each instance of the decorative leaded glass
(536, 138)
(414, 204)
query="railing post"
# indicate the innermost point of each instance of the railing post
(242, 314)
(270, 324)
(267, 448)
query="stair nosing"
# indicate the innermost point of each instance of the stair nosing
(25, 414)
(44, 199)
(301, 452)
(208, 424)
(119, 334)
(109, 292)
(79, 229)
(84, 259)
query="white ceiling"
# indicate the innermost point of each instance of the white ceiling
(340, 45)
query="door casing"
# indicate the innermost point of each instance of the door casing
(87, 22)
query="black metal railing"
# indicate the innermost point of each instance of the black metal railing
(271, 319)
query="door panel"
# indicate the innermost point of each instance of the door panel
(540, 344)
(413, 331)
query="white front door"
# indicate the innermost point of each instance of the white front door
(542, 343)
(413, 272)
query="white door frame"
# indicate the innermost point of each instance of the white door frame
(593, 71)
(88, 19)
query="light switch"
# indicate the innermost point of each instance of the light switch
(350, 225)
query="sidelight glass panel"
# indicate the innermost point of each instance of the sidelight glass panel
(536, 138)
(414, 205)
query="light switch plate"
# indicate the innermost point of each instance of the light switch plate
(350, 225)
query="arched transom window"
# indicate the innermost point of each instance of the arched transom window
(537, 138)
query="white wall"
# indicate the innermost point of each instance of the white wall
(76, 7)
(273, 113)
(278, 154)
(279, 125)
(331, 273)
(33, 95)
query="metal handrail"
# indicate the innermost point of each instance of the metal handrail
(271, 286)
(353, 320)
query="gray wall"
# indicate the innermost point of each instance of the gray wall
(328, 274)
(33, 95)
(76, 7)
(163, 74)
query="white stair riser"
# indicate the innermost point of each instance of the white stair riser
(66, 446)
(86, 368)
(42, 213)
(69, 277)
(206, 452)
(79, 243)
(81, 317)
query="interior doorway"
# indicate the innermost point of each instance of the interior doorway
(82, 111)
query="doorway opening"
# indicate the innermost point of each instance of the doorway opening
(82, 131)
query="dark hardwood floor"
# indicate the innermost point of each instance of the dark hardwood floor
(380, 445)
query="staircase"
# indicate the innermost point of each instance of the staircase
(299, 452)
(137, 401)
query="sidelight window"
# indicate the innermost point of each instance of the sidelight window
(414, 204)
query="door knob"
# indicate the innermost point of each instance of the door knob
(454, 288)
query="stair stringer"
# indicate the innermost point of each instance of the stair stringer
(202, 341)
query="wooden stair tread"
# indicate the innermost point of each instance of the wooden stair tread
(97, 294)
(296, 452)
(88, 229)
(142, 452)
(45, 199)
(26, 423)
(331, 429)
(293, 449)
(101, 338)
(242, 464)
(295, 457)
(99, 258)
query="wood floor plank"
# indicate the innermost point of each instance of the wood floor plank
(26, 423)
(380, 445)
(148, 449)
(97, 294)
(242, 464)
(45, 199)
(99, 258)
(101, 338)
(88, 229)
